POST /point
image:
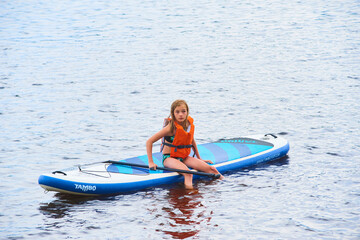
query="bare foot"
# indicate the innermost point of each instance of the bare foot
(189, 187)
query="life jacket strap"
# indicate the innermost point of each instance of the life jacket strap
(178, 146)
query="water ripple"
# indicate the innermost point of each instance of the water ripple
(87, 81)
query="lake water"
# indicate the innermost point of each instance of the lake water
(87, 81)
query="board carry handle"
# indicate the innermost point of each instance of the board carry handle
(212, 175)
(273, 135)
(59, 172)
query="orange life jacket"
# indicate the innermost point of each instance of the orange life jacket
(182, 144)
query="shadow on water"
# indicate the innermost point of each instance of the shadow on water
(62, 205)
(277, 162)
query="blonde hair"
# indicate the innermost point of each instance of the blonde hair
(174, 105)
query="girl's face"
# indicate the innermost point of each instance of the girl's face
(180, 113)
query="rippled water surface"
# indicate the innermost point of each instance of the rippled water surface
(86, 81)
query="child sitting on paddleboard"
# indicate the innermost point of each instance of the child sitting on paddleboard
(179, 139)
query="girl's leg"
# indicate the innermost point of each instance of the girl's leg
(200, 165)
(175, 163)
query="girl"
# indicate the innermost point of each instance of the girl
(179, 139)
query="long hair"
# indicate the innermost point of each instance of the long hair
(174, 105)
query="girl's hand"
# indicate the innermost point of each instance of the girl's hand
(152, 166)
(208, 161)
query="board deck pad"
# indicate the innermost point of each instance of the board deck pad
(218, 152)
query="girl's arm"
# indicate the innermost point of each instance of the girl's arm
(149, 144)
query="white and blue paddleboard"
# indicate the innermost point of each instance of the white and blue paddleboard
(107, 178)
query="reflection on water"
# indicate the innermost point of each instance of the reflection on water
(185, 213)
